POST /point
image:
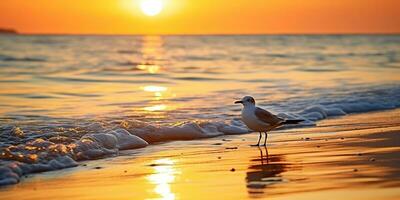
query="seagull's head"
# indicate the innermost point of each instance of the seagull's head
(247, 100)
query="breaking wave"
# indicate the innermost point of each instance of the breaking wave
(23, 153)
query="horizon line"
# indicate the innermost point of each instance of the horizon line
(202, 34)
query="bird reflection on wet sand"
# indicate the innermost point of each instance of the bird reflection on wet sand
(263, 172)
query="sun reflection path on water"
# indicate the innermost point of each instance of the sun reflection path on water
(152, 54)
(164, 174)
(152, 62)
(160, 107)
(153, 88)
(158, 94)
(152, 69)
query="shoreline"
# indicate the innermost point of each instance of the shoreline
(351, 156)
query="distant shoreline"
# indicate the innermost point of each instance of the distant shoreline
(7, 31)
(10, 31)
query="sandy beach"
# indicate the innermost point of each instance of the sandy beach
(351, 157)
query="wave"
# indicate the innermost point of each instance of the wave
(193, 78)
(21, 59)
(97, 80)
(55, 148)
(60, 152)
(128, 52)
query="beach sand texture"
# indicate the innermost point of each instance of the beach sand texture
(351, 157)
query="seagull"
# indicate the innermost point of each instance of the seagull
(260, 120)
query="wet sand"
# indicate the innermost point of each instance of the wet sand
(352, 157)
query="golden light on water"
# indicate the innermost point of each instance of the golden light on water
(157, 90)
(164, 175)
(152, 69)
(153, 88)
(156, 108)
(152, 54)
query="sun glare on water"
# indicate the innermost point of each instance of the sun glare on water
(151, 7)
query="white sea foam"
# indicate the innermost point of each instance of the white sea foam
(29, 153)
(12, 171)
(45, 155)
(127, 140)
(182, 131)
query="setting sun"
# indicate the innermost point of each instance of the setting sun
(151, 7)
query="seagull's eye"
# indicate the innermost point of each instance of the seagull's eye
(252, 101)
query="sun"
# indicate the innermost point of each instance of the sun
(151, 7)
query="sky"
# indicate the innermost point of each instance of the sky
(201, 17)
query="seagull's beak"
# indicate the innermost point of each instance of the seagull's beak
(238, 102)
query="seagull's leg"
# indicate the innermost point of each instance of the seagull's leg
(265, 140)
(258, 143)
(259, 138)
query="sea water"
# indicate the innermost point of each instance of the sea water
(69, 98)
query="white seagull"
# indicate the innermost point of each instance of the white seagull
(260, 120)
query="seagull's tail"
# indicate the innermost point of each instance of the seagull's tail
(292, 121)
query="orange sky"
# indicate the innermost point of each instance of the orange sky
(202, 16)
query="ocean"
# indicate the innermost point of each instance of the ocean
(64, 99)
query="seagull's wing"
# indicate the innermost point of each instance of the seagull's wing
(267, 117)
